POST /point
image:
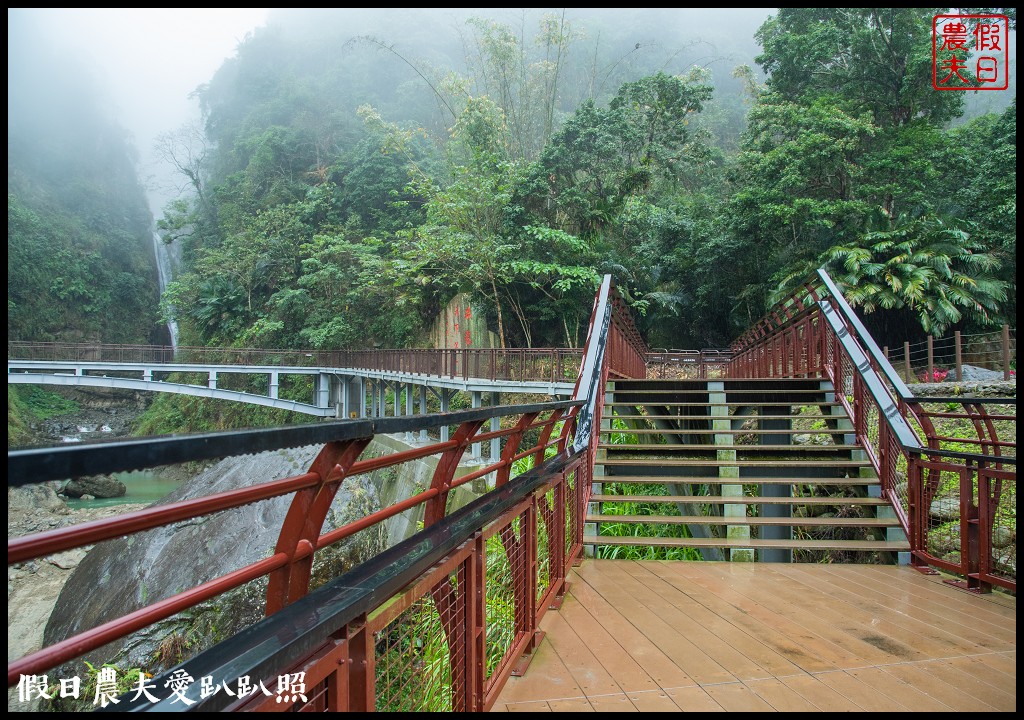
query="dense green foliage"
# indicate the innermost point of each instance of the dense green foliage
(525, 174)
(27, 405)
(848, 162)
(344, 188)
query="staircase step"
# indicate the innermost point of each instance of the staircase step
(674, 448)
(702, 431)
(802, 416)
(754, 543)
(764, 521)
(666, 479)
(727, 391)
(687, 403)
(685, 408)
(809, 380)
(738, 500)
(713, 462)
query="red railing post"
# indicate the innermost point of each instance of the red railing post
(301, 527)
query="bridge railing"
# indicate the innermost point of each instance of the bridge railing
(688, 364)
(440, 588)
(955, 494)
(514, 364)
(437, 622)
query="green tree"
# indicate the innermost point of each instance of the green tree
(844, 146)
(521, 77)
(879, 60)
(933, 270)
(984, 158)
(599, 157)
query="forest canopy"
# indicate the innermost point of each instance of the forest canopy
(353, 172)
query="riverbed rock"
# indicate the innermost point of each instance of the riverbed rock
(27, 500)
(946, 508)
(100, 486)
(997, 388)
(1003, 537)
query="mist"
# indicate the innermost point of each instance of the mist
(139, 68)
(136, 67)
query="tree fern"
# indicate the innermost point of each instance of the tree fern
(934, 269)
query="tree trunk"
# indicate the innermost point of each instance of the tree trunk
(501, 319)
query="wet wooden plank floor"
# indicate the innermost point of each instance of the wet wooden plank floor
(712, 637)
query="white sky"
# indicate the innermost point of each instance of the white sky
(149, 59)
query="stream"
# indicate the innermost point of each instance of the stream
(143, 486)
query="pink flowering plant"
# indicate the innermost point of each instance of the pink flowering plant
(938, 375)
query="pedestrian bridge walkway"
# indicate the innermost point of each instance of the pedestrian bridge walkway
(526, 576)
(665, 636)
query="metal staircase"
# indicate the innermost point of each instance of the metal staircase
(745, 470)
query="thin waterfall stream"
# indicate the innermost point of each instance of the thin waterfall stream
(165, 262)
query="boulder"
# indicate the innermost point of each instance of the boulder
(122, 575)
(1003, 537)
(945, 508)
(101, 486)
(25, 500)
(973, 373)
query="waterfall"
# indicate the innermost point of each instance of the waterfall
(165, 269)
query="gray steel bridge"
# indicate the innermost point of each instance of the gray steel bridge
(337, 392)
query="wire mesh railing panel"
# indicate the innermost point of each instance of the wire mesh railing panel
(942, 505)
(897, 488)
(999, 490)
(970, 521)
(317, 698)
(572, 512)
(971, 425)
(546, 504)
(505, 578)
(414, 653)
(871, 421)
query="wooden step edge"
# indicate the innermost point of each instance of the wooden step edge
(738, 500)
(686, 403)
(711, 462)
(754, 543)
(727, 391)
(728, 379)
(671, 447)
(666, 479)
(704, 418)
(759, 521)
(705, 431)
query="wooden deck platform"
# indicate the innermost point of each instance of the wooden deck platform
(702, 636)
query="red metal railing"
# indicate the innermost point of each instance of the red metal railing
(302, 532)
(688, 364)
(627, 351)
(439, 621)
(515, 364)
(816, 334)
